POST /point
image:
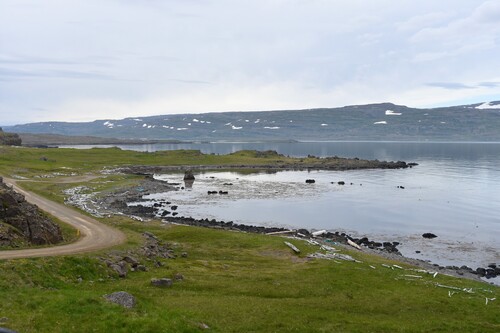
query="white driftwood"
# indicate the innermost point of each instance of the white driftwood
(448, 287)
(319, 233)
(318, 255)
(396, 266)
(489, 299)
(328, 248)
(350, 242)
(413, 276)
(281, 232)
(293, 247)
(313, 242)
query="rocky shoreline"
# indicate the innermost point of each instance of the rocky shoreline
(386, 249)
(118, 203)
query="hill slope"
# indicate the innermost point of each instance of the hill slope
(385, 121)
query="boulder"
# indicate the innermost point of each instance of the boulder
(429, 235)
(310, 181)
(121, 298)
(163, 282)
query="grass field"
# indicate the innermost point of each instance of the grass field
(233, 281)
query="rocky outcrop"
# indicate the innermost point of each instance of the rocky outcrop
(25, 220)
(9, 139)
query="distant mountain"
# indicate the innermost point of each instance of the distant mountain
(384, 121)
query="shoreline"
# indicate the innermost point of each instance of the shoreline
(386, 249)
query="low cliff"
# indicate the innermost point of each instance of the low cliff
(22, 222)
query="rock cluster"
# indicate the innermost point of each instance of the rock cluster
(153, 249)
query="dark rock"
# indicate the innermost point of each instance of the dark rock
(173, 207)
(304, 232)
(223, 192)
(310, 181)
(481, 271)
(163, 282)
(492, 265)
(490, 273)
(142, 268)
(417, 251)
(121, 298)
(341, 183)
(188, 175)
(178, 277)
(131, 260)
(121, 268)
(429, 235)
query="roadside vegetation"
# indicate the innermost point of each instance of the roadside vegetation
(232, 281)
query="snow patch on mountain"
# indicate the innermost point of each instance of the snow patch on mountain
(487, 106)
(392, 113)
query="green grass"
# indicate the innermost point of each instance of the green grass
(28, 162)
(234, 282)
(237, 282)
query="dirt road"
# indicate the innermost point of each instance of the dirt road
(93, 234)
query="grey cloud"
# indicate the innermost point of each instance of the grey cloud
(7, 73)
(450, 85)
(489, 84)
(190, 81)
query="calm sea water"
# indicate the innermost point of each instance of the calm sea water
(454, 193)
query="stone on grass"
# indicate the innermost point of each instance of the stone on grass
(121, 298)
(163, 282)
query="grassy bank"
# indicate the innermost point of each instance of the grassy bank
(28, 162)
(233, 281)
(236, 282)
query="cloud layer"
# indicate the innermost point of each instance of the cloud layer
(85, 60)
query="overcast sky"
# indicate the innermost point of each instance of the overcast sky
(80, 60)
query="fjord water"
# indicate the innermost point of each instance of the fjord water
(454, 193)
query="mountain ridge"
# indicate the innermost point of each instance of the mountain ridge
(379, 121)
